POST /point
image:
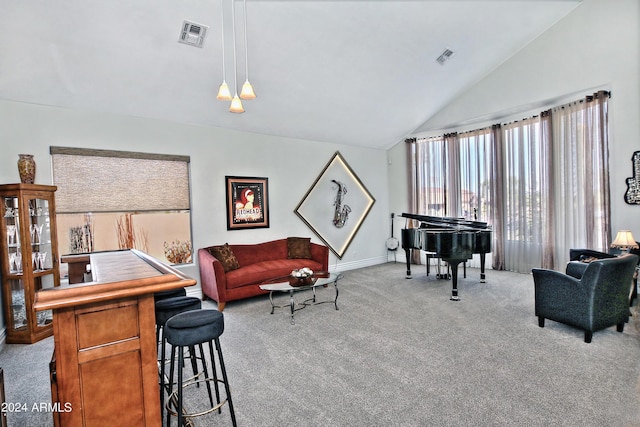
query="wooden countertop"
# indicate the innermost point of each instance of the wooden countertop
(116, 274)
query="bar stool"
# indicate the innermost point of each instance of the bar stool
(189, 329)
(165, 309)
(180, 292)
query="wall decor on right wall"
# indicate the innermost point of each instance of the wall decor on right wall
(632, 195)
(336, 205)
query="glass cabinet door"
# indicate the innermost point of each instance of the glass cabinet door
(15, 261)
(12, 227)
(41, 251)
(40, 234)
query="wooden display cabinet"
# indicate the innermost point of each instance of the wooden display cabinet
(28, 258)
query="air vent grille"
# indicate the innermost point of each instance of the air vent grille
(444, 57)
(193, 34)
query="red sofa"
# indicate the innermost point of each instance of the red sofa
(255, 264)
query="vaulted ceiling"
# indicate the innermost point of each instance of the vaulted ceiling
(360, 72)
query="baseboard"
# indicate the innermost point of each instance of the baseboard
(361, 263)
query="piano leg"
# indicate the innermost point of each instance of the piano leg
(482, 276)
(407, 252)
(454, 279)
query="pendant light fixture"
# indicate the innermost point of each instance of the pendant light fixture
(236, 103)
(247, 90)
(223, 92)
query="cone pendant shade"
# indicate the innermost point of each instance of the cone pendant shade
(224, 94)
(247, 91)
(236, 105)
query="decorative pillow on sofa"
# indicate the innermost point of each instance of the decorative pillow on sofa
(225, 255)
(298, 247)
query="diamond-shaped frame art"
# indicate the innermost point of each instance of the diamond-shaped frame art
(336, 205)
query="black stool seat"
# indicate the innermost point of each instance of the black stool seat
(180, 292)
(169, 307)
(193, 329)
(188, 329)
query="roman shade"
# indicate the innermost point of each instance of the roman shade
(91, 180)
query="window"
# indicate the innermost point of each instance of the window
(542, 182)
(475, 178)
(109, 200)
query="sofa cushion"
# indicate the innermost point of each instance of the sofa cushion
(268, 251)
(266, 270)
(298, 247)
(225, 255)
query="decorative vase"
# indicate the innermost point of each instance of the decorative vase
(26, 168)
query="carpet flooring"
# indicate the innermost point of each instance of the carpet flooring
(398, 352)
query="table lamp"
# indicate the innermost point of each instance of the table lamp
(624, 241)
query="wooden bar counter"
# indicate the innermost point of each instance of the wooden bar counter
(105, 358)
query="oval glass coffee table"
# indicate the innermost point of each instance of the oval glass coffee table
(292, 285)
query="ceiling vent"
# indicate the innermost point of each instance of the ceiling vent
(193, 34)
(444, 57)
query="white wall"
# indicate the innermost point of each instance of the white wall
(291, 165)
(597, 46)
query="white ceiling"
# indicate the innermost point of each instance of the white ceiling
(357, 72)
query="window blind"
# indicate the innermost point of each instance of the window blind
(90, 180)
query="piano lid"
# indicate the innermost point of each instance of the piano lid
(446, 222)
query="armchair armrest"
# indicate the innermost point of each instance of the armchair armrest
(556, 293)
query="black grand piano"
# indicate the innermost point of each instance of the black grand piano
(453, 240)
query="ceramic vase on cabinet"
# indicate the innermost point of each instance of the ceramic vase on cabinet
(26, 168)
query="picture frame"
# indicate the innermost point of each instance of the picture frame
(247, 202)
(632, 194)
(336, 205)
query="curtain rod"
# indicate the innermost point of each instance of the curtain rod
(544, 113)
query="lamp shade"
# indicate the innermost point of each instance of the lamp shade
(224, 94)
(236, 105)
(247, 91)
(624, 240)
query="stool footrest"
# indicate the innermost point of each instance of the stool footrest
(173, 400)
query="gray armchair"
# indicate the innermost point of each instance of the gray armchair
(596, 300)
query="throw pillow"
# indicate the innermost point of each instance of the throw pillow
(298, 247)
(225, 255)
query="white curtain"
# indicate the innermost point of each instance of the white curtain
(581, 176)
(427, 161)
(433, 178)
(523, 171)
(476, 156)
